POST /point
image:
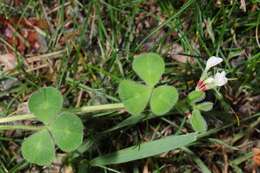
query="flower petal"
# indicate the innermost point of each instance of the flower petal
(220, 78)
(213, 61)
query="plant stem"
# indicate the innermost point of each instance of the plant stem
(87, 109)
(16, 118)
(20, 127)
(81, 110)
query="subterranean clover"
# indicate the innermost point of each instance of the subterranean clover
(207, 81)
(61, 128)
(136, 96)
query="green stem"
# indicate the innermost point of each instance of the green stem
(106, 107)
(16, 118)
(20, 127)
(81, 110)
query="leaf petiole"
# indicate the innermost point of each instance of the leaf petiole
(21, 127)
(81, 110)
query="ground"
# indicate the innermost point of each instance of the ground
(85, 48)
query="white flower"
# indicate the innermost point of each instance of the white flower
(220, 78)
(208, 81)
(213, 61)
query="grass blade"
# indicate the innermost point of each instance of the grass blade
(181, 10)
(146, 149)
(203, 168)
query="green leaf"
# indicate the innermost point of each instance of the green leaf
(146, 149)
(163, 99)
(39, 148)
(134, 96)
(46, 103)
(67, 131)
(196, 96)
(205, 106)
(197, 121)
(149, 67)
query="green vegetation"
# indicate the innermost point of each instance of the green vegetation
(76, 61)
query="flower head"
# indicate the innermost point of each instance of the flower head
(207, 81)
(219, 79)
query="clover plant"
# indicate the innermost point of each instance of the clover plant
(65, 129)
(61, 128)
(136, 95)
(196, 120)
